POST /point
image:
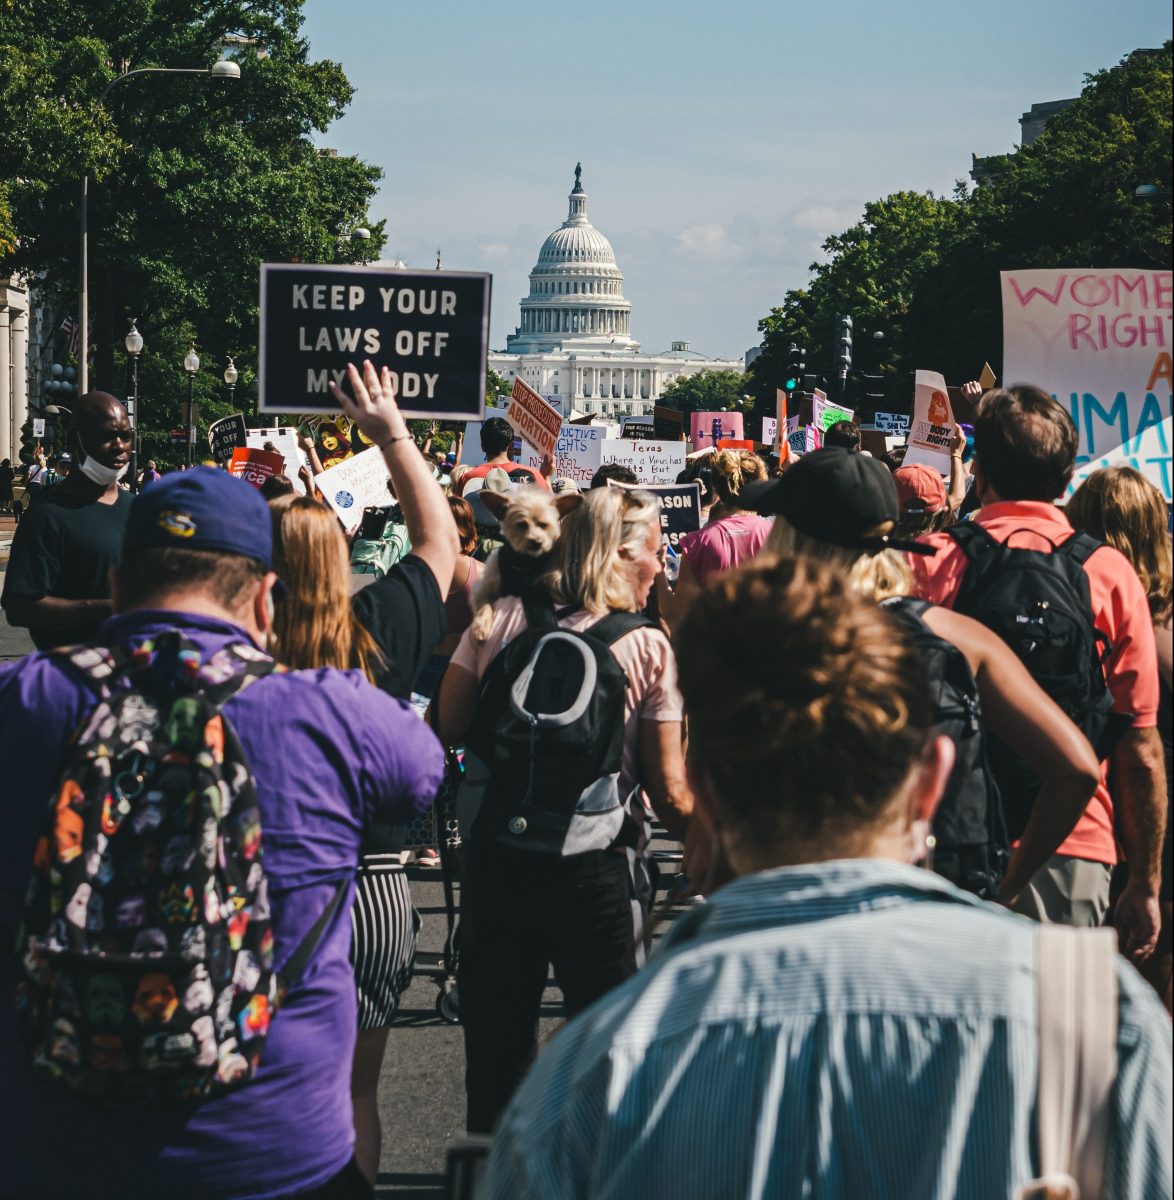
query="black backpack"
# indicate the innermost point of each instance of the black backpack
(970, 835)
(1039, 603)
(544, 751)
(145, 946)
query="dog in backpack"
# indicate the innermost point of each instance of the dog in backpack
(529, 517)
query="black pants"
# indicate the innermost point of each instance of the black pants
(520, 913)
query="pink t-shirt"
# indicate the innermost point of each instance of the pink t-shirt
(724, 544)
(645, 655)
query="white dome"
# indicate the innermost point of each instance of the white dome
(576, 289)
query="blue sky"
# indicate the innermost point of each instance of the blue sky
(720, 142)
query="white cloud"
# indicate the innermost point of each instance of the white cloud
(708, 240)
(496, 250)
(821, 219)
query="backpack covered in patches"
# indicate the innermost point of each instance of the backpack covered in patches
(145, 946)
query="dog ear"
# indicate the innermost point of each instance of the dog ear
(567, 502)
(496, 502)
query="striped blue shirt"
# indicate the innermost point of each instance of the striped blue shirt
(856, 1029)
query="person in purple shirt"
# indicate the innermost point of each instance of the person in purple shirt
(330, 754)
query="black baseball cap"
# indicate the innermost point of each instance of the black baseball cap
(835, 496)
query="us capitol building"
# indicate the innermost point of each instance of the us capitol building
(574, 344)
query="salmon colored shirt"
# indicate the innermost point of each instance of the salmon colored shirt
(1120, 611)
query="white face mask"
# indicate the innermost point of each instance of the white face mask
(98, 472)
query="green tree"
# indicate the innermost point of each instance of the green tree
(496, 386)
(1067, 200)
(194, 182)
(872, 273)
(707, 391)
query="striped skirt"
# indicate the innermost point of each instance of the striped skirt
(384, 926)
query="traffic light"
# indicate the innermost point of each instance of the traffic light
(844, 359)
(795, 364)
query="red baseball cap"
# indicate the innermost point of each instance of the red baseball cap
(920, 487)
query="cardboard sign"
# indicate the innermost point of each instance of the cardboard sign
(430, 327)
(639, 428)
(533, 418)
(825, 413)
(680, 508)
(708, 428)
(653, 462)
(255, 466)
(932, 428)
(225, 435)
(356, 483)
(986, 377)
(1100, 342)
(285, 441)
(668, 425)
(770, 431)
(38, 427)
(736, 444)
(891, 422)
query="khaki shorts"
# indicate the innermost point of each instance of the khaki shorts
(1067, 891)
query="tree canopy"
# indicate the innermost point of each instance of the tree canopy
(194, 181)
(707, 391)
(924, 270)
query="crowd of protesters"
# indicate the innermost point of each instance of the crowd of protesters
(873, 783)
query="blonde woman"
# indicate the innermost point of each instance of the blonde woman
(842, 509)
(522, 911)
(1120, 506)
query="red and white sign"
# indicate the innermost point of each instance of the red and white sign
(932, 429)
(533, 418)
(255, 466)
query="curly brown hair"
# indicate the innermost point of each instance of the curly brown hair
(808, 719)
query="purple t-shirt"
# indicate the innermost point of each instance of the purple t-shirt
(724, 544)
(329, 752)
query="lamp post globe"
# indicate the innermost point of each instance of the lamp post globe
(191, 364)
(134, 347)
(231, 375)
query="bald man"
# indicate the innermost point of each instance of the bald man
(56, 584)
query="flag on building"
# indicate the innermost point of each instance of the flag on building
(72, 330)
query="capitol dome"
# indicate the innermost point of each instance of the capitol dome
(576, 289)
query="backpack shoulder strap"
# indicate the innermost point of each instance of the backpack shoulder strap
(299, 960)
(973, 539)
(1076, 981)
(616, 624)
(907, 604)
(539, 609)
(1080, 547)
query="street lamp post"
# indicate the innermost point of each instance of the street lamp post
(191, 364)
(230, 377)
(223, 69)
(134, 347)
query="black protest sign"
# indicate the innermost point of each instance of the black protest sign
(667, 424)
(640, 429)
(680, 507)
(225, 435)
(431, 328)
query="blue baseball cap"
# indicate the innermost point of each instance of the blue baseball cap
(201, 509)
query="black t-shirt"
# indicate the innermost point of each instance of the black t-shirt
(64, 546)
(404, 613)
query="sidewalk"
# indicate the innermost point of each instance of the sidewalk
(7, 527)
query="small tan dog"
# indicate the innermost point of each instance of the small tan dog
(529, 517)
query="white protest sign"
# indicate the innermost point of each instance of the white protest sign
(38, 427)
(576, 453)
(653, 462)
(285, 441)
(356, 483)
(1099, 341)
(891, 422)
(824, 413)
(770, 431)
(932, 428)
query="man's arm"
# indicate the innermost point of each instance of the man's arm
(1139, 797)
(428, 518)
(52, 612)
